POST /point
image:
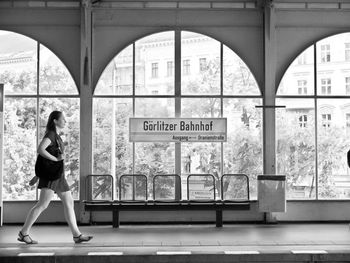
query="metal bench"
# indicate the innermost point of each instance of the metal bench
(174, 204)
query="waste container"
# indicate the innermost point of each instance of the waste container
(272, 193)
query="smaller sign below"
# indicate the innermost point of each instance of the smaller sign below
(177, 129)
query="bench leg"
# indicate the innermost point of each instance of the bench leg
(116, 218)
(218, 218)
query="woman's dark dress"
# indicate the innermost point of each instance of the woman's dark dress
(60, 184)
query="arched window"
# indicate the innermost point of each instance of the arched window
(313, 130)
(141, 82)
(36, 82)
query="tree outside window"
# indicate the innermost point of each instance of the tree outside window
(241, 154)
(26, 110)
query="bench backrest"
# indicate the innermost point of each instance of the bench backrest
(205, 181)
(104, 187)
(135, 185)
(200, 187)
(165, 185)
(235, 187)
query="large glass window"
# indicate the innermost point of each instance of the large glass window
(295, 133)
(214, 81)
(312, 131)
(36, 83)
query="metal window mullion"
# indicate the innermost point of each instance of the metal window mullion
(177, 83)
(37, 101)
(184, 96)
(222, 106)
(311, 97)
(133, 114)
(316, 120)
(24, 96)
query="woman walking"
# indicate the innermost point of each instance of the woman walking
(55, 123)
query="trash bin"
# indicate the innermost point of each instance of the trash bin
(272, 193)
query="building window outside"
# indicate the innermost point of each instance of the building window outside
(325, 53)
(347, 85)
(202, 64)
(302, 59)
(303, 121)
(326, 86)
(347, 123)
(347, 51)
(154, 70)
(204, 102)
(186, 67)
(313, 157)
(170, 68)
(326, 120)
(302, 87)
(36, 83)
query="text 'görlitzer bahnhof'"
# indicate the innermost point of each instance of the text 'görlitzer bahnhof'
(184, 126)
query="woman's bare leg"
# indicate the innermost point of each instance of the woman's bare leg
(68, 206)
(46, 195)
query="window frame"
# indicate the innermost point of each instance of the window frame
(178, 64)
(317, 97)
(39, 96)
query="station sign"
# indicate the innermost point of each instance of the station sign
(178, 129)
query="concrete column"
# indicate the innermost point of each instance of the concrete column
(86, 91)
(269, 89)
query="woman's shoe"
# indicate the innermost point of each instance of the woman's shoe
(81, 238)
(26, 239)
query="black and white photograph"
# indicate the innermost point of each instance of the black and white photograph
(174, 131)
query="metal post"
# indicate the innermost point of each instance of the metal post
(115, 218)
(86, 92)
(1, 149)
(219, 218)
(113, 139)
(177, 63)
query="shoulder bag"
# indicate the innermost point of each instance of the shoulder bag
(47, 169)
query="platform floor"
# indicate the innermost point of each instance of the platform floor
(182, 243)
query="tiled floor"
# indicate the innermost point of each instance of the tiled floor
(190, 235)
(250, 239)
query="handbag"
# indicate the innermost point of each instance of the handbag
(46, 168)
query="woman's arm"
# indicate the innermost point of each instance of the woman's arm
(41, 150)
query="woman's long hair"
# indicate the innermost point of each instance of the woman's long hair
(50, 126)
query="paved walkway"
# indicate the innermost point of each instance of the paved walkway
(282, 242)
